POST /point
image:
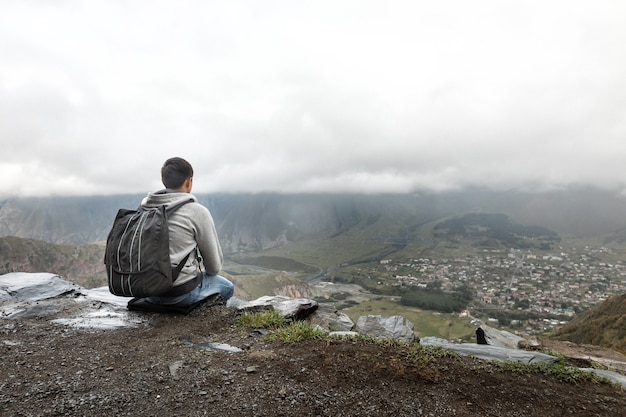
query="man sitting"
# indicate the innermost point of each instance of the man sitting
(191, 232)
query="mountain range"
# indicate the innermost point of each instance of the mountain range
(252, 222)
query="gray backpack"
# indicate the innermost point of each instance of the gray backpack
(137, 255)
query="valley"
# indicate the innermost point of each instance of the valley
(528, 292)
(527, 263)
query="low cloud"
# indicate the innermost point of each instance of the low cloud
(311, 97)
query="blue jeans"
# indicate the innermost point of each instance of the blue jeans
(210, 285)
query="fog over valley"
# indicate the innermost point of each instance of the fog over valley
(268, 217)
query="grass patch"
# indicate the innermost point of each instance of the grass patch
(559, 370)
(298, 331)
(282, 329)
(265, 320)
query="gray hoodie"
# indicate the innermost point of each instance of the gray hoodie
(190, 226)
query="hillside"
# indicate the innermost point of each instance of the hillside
(82, 264)
(50, 370)
(494, 230)
(604, 325)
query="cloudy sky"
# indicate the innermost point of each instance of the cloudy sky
(311, 96)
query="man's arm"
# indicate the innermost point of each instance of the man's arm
(207, 240)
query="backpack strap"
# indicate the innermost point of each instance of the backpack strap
(185, 288)
(181, 264)
(171, 209)
(179, 267)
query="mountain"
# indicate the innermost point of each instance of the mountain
(603, 325)
(82, 264)
(65, 220)
(251, 222)
(489, 229)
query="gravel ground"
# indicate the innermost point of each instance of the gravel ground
(165, 368)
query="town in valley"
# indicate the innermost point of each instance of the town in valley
(529, 291)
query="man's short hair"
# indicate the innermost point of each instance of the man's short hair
(175, 172)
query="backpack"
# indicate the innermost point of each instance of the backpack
(137, 254)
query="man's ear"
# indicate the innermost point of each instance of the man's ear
(188, 184)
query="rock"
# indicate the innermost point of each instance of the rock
(105, 318)
(290, 308)
(224, 347)
(529, 344)
(21, 286)
(329, 318)
(488, 352)
(341, 335)
(25, 295)
(103, 295)
(174, 367)
(38, 310)
(379, 327)
(610, 375)
(498, 338)
(211, 346)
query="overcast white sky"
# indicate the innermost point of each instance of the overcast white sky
(310, 96)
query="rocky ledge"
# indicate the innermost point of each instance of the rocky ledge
(43, 318)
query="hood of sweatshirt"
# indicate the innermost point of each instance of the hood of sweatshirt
(166, 197)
